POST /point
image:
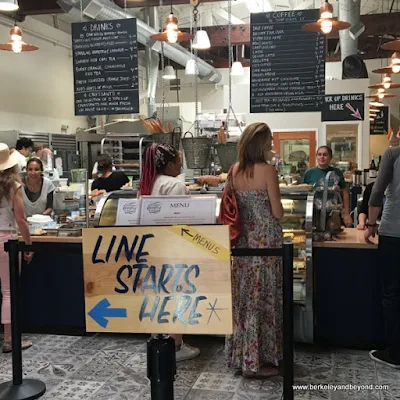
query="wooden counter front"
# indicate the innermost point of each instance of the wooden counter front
(349, 238)
(55, 239)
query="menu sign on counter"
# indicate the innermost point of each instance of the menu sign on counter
(105, 67)
(380, 123)
(178, 210)
(287, 64)
(343, 107)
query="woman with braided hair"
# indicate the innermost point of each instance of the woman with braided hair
(162, 165)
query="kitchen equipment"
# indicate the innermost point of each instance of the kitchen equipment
(197, 151)
(172, 138)
(227, 154)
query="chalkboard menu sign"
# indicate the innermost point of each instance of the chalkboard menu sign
(105, 67)
(380, 123)
(287, 63)
(343, 107)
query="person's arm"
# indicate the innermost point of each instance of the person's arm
(20, 218)
(49, 204)
(363, 211)
(274, 193)
(385, 176)
(177, 189)
(346, 198)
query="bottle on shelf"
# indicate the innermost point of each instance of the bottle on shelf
(373, 171)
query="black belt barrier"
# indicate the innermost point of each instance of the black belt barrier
(18, 388)
(161, 361)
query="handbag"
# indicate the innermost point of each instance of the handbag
(229, 210)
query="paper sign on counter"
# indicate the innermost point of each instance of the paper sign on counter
(128, 212)
(178, 210)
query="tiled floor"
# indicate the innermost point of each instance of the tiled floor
(113, 367)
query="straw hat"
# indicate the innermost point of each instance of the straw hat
(7, 160)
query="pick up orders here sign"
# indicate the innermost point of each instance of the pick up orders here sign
(166, 279)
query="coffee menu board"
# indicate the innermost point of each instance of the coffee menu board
(380, 123)
(287, 63)
(105, 67)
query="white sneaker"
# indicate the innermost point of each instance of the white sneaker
(187, 352)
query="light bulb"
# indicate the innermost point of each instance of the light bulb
(172, 36)
(16, 46)
(326, 15)
(396, 68)
(381, 90)
(381, 96)
(386, 85)
(171, 26)
(326, 26)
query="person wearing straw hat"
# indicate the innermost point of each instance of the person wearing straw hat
(12, 215)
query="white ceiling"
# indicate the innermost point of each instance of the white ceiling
(216, 13)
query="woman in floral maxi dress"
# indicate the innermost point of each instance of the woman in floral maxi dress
(255, 346)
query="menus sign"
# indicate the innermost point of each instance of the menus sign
(380, 123)
(105, 67)
(343, 107)
(287, 63)
(174, 279)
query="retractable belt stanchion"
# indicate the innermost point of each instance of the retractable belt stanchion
(18, 388)
(286, 252)
(161, 367)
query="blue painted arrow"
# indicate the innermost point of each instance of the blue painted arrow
(101, 311)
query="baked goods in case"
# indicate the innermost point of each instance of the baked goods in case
(210, 180)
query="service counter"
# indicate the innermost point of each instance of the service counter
(347, 297)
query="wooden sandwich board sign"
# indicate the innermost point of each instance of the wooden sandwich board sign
(164, 279)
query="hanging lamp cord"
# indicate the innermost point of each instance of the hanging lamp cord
(196, 73)
(162, 68)
(230, 107)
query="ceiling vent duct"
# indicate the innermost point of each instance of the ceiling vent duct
(349, 11)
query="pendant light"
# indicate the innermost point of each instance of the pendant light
(16, 44)
(9, 5)
(190, 67)
(172, 34)
(201, 40)
(326, 24)
(386, 83)
(169, 72)
(237, 66)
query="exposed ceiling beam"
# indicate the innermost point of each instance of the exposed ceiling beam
(35, 7)
(153, 3)
(375, 25)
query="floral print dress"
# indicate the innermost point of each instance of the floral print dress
(257, 290)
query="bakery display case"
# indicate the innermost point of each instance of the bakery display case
(297, 229)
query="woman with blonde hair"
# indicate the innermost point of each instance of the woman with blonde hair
(255, 346)
(12, 214)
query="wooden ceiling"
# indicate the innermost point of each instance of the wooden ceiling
(36, 7)
(378, 29)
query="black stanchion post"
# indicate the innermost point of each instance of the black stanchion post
(288, 322)
(18, 388)
(161, 367)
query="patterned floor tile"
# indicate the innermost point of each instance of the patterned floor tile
(180, 393)
(256, 396)
(271, 386)
(220, 382)
(75, 390)
(57, 341)
(130, 376)
(186, 379)
(200, 394)
(117, 392)
(139, 360)
(355, 361)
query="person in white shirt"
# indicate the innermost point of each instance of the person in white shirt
(24, 148)
(162, 165)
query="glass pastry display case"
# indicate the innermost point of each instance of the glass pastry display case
(297, 228)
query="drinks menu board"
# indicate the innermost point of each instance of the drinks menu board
(105, 67)
(287, 63)
(380, 123)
